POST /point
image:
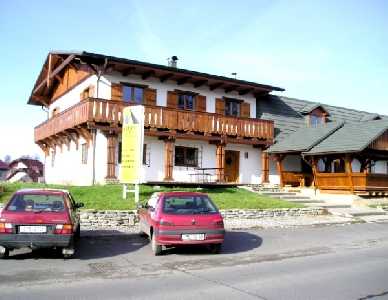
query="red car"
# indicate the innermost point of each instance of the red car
(39, 218)
(177, 218)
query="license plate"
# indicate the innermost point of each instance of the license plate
(32, 229)
(193, 237)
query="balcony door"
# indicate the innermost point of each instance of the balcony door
(232, 165)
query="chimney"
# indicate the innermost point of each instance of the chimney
(172, 62)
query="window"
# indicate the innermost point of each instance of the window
(133, 94)
(339, 166)
(186, 101)
(315, 120)
(84, 148)
(188, 205)
(186, 157)
(36, 203)
(232, 107)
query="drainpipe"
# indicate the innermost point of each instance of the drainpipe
(94, 157)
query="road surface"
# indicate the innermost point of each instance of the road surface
(333, 262)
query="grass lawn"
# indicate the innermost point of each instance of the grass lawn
(110, 196)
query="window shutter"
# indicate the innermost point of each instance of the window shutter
(91, 91)
(200, 103)
(172, 99)
(220, 106)
(149, 96)
(117, 91)
(245, 110)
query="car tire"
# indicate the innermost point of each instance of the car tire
(5, 254)
(156, 249)
(215, 248)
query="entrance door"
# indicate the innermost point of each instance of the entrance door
(232, 164)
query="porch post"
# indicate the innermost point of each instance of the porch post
(220, 162)
(169, 158)
(314, 167)
(264, 166)
(111, 156)
(279, 165)
(349, 171)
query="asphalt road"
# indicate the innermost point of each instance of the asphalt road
(335, 262)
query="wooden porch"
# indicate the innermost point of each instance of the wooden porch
(159, 121)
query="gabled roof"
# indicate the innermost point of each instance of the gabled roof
(56, 61)
(311, 106)
(287, 113)
(304, 138)
(351, 138)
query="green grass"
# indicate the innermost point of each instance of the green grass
(109, 197)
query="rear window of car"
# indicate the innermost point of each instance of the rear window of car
(36, 202)
(188, 205)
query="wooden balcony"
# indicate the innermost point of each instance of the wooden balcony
(358, 182)
(158, 119)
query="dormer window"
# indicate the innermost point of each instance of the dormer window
(316, 120)
(315, 114)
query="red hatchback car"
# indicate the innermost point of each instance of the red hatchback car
(39, 218)
(177, 218)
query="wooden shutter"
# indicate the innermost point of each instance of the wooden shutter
(220, 106)
(200, 103)
(117, 91)
(149, 96)
(172, 99)
(245, 110)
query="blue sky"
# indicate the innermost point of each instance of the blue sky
(334, 52)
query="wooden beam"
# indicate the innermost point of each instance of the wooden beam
(183, 80)
(230, 88)
(200, 83)
(128, 71)
(216, 85)
(55, 72)
(169, 159)
(220, 162)
(49, 70)
(244, 92)
(265, 167)
(147, 74)
(163, 78)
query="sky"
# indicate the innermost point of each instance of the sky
(334, 52)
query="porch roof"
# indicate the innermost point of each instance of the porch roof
(304, 138)
(350, 138)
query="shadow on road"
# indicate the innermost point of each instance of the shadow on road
(235, 242)
(92, 245)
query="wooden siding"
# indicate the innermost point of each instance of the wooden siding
(71, 78)
(381, 143)
(110, 112)
(343, 181)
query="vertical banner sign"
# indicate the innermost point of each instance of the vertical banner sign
(132, 144)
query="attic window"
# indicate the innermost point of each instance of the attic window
(316, 120)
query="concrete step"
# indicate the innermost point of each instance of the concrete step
(330, 205)
(375, 219)
(274, 194)
(295, 197)
(306, 201)
(368, 213)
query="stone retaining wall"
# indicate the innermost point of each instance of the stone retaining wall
(119, 218)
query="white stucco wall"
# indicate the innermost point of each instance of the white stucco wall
(163, 87)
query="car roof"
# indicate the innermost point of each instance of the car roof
(41, 191)
(182, 193)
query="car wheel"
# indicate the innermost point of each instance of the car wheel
(4, 254)
(215, 248)
(157, 249)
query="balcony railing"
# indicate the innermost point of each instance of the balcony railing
(110, 112)
(357, 181)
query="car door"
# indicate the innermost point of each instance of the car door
(74, 215)
(146, 214)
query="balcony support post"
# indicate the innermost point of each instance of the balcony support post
(264, 166)
(169, 158)
(349, 171)
(220, 162)
(279, 165)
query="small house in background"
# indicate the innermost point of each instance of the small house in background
(3, 170)
(25, 170)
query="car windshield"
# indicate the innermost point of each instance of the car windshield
(188, 205)
(36, 203)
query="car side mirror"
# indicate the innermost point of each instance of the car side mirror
(150, 208)
(79, 205)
